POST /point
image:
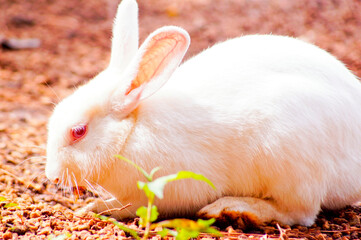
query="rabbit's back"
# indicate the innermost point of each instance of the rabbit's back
(270, 105)
(245, 61)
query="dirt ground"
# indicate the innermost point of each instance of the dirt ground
(74, 47)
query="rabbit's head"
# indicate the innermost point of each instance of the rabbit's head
(90, 126)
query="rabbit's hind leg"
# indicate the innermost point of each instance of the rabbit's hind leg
(248, 212)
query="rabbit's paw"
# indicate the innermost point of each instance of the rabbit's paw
(83, 212)
(242, 212)
(239, 220)
(95, 207)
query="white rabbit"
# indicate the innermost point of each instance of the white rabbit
(273, 122)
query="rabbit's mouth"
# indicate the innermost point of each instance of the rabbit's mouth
(78, 191)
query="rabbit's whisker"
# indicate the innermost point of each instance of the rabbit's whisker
(56, 95)
(95, 190)
(32, 158)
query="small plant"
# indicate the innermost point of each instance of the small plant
(119, 225)
(60, 237)
(9, 204)
(184, 228)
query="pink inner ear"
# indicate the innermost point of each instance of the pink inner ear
(160, 51)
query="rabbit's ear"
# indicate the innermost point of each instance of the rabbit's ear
(125, 35)
(158, 57)
(156, 60)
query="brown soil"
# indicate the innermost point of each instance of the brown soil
(75, 46)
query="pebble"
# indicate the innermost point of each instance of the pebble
(35, 214)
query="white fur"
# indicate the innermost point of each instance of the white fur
(273, 122)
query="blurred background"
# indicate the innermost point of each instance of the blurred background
(75, 35)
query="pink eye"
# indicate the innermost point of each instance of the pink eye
(78, 132)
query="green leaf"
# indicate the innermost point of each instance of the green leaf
(142, 213)
(165, 231)
(200, 177)
(145, 187)
(157, 186)
(185, 234)
(179, 223)
(154, 170)
(120, 226)
(206, 226)
(11, 205)
(188, 228)
(154, 214)
(206, 223)
(61, 237)
(146, 175)
(2, 199)
(126, 229)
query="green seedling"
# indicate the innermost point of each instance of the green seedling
(8, 205)
(60, 237)
(120, 226)
(184, 228)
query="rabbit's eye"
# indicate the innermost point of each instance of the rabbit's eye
(78, 132)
